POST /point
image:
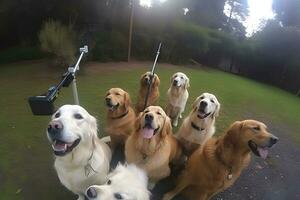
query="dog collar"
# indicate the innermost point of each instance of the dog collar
(196, 127)
(88, 168)
(229, 167)
(121, 116)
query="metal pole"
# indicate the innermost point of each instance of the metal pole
(151, 78)
(155, 61)
(73, 70)
(75, 93)
(130, 31)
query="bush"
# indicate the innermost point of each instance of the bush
(19, 53)
(58, 40)
(110, 46)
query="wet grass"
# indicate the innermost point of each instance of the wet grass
(26, 161)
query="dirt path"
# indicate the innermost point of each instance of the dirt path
(275, 178)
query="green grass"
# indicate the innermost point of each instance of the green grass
(26, 162)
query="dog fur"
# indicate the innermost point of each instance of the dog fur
(155, 151)
(216, 166)
(199, 126)
(81, 159)
(126, 182)
(120, 116)
(177, 96)
(154, 92)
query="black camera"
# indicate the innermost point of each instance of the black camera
(44, 104)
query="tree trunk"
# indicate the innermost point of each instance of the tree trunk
(298, 93)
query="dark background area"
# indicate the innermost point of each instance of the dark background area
(204, 34)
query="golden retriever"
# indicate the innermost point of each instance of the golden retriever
(152, 147)
(153, 95)
(199, 126)
(120, 116)
(81, 158)
(219, 162)
(177, 96)
(126, 182)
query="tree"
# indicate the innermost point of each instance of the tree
(238, 12)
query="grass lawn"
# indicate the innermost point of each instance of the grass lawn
(26, 162)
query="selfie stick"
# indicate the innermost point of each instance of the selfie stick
(43, 104)
(152, 76)
(73, 70)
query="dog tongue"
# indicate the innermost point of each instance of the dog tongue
(263, 152)
(58, 146)
(148, 133)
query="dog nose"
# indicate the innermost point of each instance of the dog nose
(55, 127)
(274, 140)
(107, 100)
(203, 104)
(148, 118)
(175, 81)
(91, 192)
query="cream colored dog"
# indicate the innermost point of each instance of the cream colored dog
(81, 159)
(125, 182)
(177, 96)
(199, 126)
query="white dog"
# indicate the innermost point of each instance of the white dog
(81, 159)
(199, 126)
(177, 96)
(125, 182)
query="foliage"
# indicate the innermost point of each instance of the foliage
(110, 46)
(58, 40)
(14, 54)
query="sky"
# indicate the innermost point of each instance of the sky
(258, 10)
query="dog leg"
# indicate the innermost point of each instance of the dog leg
(179, 187)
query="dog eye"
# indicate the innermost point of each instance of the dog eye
(118, 196)
(212, 101)
(181, 77)
(201, 97)
(78, 116)
(146, 111)
(117, 93)
(256, 128)
(108, 182)
(57, 115)
(158, 113)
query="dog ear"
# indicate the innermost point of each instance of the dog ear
(187, 83)
(172, 78)
(217, 111)
(156, 81)
(142, 78)
(167, 128)
(196, 102)
(232, 135)
(137, 124)
(127, 100)
(93, 126)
